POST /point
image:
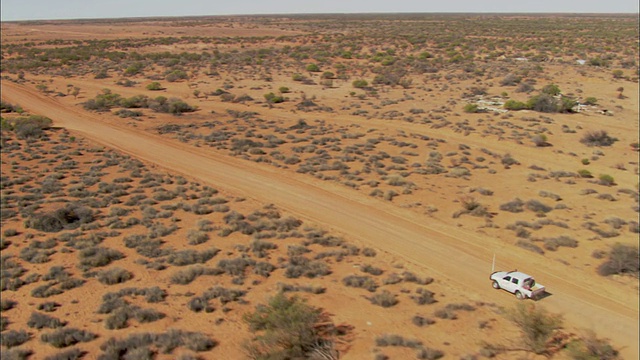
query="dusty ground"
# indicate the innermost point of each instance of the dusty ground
(364, 188)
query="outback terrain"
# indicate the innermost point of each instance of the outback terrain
(324, 187)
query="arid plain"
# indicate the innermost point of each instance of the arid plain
(164, 179)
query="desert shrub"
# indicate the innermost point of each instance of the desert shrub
(606, 180)
(449, 311)
(186, 276)
(300, 266)
(510, 80)
(4, 322)
(7, 304)
(14, 338)
(70, 217)
(585, 174)
(235, 267)
(528, 245)
(543, 103)
(540, 140)
(40, 321)
(536, 325)
(196, 237)
(97, 256)
(48, 306)
(597, 138)
(114, 276)
(190, 257)
(553, 243)
(424, 297)
(67, 337)
(429, 354)
(514, 105)
(15, 354)
(359, 84)
(154, 86)
(590, 347)
(369, 252)
(45, 291)
(421, 321)
(71, 354)
(537, 206)
(384, 299)
(31, 127)
(369, 269)
(551, 89)
(288, 328)
(273, 98)
(259, 247)
(471, 108)
(263, 269)
(313, 68)
(138, 344)
(623, 259)
(397, 340)
(363, 282)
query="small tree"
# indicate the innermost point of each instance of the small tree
(537, 326)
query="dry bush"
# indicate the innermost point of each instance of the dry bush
(364, 282)
(589, 347)
(288, 329)
(114, 276)
(13, 338)
(384, 299)
(623, 259)
(536, 325)
(597, 138)
(40, 321)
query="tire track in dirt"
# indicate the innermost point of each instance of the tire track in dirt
(457, 257)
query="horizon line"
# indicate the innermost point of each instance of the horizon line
(323, 14)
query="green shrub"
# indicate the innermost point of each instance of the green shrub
(606, 180)
(273, 98)
(471, 108)
(360, 84)
(590, 100)
(313, 68)
(514, 105)
(154, 86)
(31, 127)
(584, 173)
(551, 89)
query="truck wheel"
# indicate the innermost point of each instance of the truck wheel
(519, 295)
(495, 285)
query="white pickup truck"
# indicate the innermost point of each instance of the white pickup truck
(518, 283)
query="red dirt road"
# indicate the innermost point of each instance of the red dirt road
(448, 253)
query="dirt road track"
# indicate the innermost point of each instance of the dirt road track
(450, 254)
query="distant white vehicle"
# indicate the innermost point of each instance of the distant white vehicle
(518, 283)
